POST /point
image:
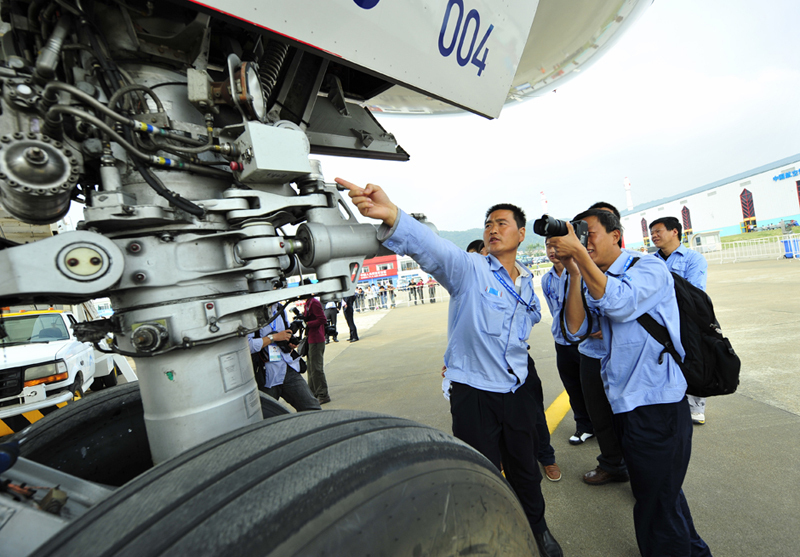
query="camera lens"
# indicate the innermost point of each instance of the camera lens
(549, 226)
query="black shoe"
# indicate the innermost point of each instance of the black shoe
(324, 399)
(579, 437)
(547, 544)
(336, 340)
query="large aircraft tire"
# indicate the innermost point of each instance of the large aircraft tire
(317, 483)
(101, 438)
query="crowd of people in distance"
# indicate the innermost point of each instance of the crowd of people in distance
(384, 295)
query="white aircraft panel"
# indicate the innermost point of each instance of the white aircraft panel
(465, 52)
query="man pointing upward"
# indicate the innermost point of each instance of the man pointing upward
(491, 313)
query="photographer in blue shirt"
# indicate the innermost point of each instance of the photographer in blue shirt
(282, 377)
(646, 391)
(492, 310)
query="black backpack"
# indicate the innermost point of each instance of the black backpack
(711, 367)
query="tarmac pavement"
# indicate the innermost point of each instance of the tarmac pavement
(744, 477)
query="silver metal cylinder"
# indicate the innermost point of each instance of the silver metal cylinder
(191, 396)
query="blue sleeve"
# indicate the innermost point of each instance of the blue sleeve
(256, 344)
(582, 330)
(696, 270)
(635, 292)
(448, 264)
(537, 313)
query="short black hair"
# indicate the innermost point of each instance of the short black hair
(670, 223)
(475, 245)
(603, 204)
(519, 214)
(608, 219)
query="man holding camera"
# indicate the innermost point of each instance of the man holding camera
(281, 370)
(645, 386)
(492, 310)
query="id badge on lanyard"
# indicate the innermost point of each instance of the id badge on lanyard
(274, 353)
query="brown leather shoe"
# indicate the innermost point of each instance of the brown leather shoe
(553, 472)
(598, 476)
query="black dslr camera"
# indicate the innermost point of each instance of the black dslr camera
(549, 226)
(284, 344)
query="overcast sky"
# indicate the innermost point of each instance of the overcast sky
(694, 92)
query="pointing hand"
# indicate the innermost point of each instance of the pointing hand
(371, 201)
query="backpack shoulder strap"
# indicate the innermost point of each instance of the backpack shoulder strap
(657, 331)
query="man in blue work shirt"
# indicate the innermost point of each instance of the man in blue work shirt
(491, 313)
(568, 359)
(666, 235)
(646, 392)
(282, 372)
(610, 464)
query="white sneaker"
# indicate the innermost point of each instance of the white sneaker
(698, 418)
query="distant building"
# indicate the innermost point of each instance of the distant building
(409, 270)
(379, 270)
(760, 197)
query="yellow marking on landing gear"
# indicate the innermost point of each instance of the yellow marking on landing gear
(4, 429)
(61, 404)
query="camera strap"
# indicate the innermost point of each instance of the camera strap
(513, 291)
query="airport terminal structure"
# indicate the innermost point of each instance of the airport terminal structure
(757, 198)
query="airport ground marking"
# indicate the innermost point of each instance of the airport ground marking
(556, 411)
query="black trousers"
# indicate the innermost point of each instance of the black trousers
(594, 396)
(330, 315)
(545, 453)
(568, 362)
(502, 427)
(657, 442)
(351, 324)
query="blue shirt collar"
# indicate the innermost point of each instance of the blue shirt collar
(681, 250)
(494, 265)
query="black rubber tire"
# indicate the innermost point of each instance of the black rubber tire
(332, 483)
(101, 438)
(77, 388)
(111, 380)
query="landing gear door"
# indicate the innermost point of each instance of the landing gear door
(463, 52)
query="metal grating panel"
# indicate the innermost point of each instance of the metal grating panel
(11, 381)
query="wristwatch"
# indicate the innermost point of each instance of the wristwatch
(271, 339)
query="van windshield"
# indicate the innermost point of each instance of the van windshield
(27, 329)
